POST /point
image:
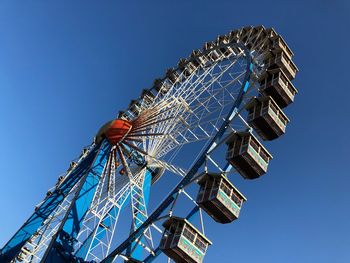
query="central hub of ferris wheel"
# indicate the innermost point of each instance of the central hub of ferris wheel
(115, 131)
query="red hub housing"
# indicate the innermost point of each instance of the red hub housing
(115, 131)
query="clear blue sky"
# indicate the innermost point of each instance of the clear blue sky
(66, 67)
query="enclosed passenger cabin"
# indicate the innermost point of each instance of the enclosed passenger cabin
(222, 42)
(208, 45)
(192, 66)
(245, 33)
(135, 107)
(147, 97)
(195, 53)
(277, 85)
(215, 55)
(257, 35)
(247, 155)
(123, 115)
(126, 115)
(222, 39)
(194, 58)
(266, 117)
(182, 65)
(201, 58)
(278, 44)
(280, 59)
(163, 86)
(219, 198)
(182, 242)
(172, 74)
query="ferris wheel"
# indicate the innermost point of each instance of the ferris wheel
(200, 123)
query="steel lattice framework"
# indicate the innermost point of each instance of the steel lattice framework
(192, 111)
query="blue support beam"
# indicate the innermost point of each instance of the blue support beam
(61, 245)
(135, 250)
(83, 201)
(106, 222)
(13, 246)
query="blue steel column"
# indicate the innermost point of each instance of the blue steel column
(82, 203)
(13, 246)
(61, 245)
(106, 222)
(135, 250)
